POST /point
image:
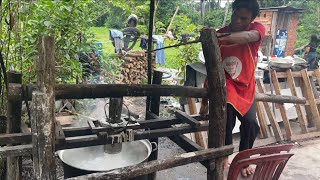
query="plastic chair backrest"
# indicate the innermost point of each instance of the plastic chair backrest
(271, 167)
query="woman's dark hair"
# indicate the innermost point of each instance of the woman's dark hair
(314, 38)
(251, 5)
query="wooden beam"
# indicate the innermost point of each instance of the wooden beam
(280, 99)
(217, 99)
(83, 91)
(15, 138)
(158, 165)
(188, 145)
(43, 113)
(14, 151)
(187, 119)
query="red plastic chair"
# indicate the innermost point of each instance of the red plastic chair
(269, 162)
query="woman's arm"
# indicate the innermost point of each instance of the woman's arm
(242, 37)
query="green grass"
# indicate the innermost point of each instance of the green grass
(102, 35)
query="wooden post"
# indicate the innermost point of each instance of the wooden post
(154, 108)
(217, 99)
(115, 109)
(42, 116)
(14, 164)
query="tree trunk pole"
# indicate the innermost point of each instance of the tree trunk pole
(14, 164)
(217, 99)
(43, 113)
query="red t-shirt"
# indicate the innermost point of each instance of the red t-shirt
(254, 46)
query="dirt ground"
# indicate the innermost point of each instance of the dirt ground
(303, 165)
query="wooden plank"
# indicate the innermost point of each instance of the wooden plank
(272, 120)
(307, 107)
(43, 116)
(15, 138)
(14, 164)
(187, 119)
(262, 120)
(153, 166)
(310, 97)
(301, 118)
(217, 99)
(199, 136)
(14, 151)
(283, 112)
(296, 74)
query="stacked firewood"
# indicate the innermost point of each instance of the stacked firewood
(134, 69)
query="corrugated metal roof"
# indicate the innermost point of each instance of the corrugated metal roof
(283, 8)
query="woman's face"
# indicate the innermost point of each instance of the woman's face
(241, 19)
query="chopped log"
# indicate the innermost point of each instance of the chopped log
(217, 99)
(153, 166)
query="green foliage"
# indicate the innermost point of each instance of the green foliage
(183, 24)
(215, 18)
(66, 21)
(309, 20)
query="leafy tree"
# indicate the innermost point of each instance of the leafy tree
(309, 20)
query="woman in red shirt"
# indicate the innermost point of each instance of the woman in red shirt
(239, 55)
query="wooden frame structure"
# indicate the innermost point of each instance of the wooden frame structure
(48, 136)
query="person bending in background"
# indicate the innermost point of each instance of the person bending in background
(239, 52)
(311, 52)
